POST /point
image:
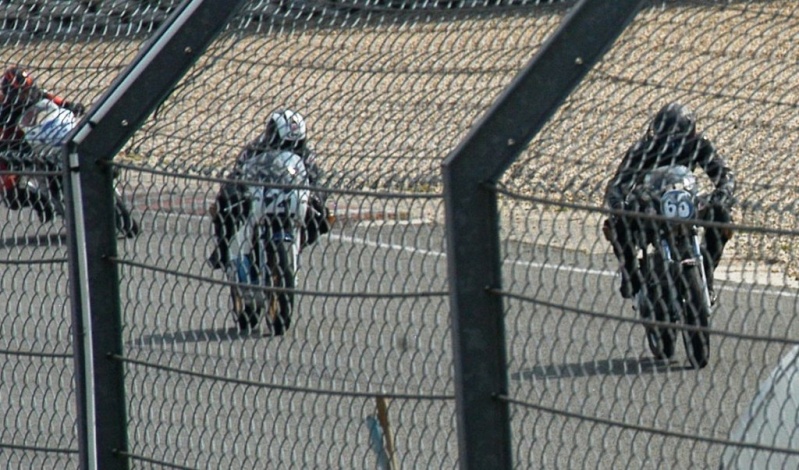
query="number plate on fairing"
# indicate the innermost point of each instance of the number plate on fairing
(677, 204)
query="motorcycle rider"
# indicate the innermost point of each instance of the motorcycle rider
(671, 139)
(285, 130)
(18, 92)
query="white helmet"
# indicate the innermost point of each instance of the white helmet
(286, 130)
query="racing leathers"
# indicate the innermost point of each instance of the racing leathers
(651, 152)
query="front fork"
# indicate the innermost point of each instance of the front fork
(696, 261)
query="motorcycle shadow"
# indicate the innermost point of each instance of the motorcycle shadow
(608, 367)
(197, 336)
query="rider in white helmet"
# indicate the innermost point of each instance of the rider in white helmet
(285, 130)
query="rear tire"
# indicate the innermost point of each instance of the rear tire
(282, 275)
(696, 313)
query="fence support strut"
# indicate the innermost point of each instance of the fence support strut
(473, 252)
(94, 289)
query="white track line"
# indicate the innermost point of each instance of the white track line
(533, 264)
(554, 267)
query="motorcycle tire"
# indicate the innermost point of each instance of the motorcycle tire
(56, 193)
(282, 275)
(661, 340)
(124, 221)
(246, 315)
(58, 208)
(696, 313)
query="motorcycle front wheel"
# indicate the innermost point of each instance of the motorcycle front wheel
(653, 305)
(696, 314)
(246, 315)
(661, 339)
(246, 311)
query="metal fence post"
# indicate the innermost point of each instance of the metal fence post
(473, 254)
(94, 286)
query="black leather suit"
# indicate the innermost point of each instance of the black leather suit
(653, 152)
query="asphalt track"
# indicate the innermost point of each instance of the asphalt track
(307, 400)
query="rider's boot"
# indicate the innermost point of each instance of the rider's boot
(626, 289)
(46, 212)
(710, 291)
(219, 257)
(630, 283)
(230, 208)
(710, 263)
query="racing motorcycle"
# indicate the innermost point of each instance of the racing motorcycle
(265, 249)
(44, 126)
(674, 266)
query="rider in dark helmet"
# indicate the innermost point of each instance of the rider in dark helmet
(285, 130)
(671, 139)
(19, 91)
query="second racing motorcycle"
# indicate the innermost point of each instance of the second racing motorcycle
(265, 249)
(44, 126)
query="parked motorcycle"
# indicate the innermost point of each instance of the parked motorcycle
(44, 127)
(674, 266)
(264, 251)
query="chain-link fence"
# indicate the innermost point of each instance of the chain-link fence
(584, 382)
(364, 376)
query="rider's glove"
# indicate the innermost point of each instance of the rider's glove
(637, 201)
(720, 198)
(76, 108)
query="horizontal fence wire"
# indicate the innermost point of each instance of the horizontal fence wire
(36, 354)
(735, 227)
(35, 261)
(288, 388)
(643, 321)
(276, 289)
(220, 180)
(649, 430)
(44, 450)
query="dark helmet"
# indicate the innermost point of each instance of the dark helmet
(285, 129)
(673, 120)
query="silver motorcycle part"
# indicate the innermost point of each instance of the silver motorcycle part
(700, 261)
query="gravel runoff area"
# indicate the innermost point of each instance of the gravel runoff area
(388, 97)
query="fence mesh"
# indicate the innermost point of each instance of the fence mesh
(363, 377)
(585, 386)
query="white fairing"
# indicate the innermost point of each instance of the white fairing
(287, 203)
(46, 125)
